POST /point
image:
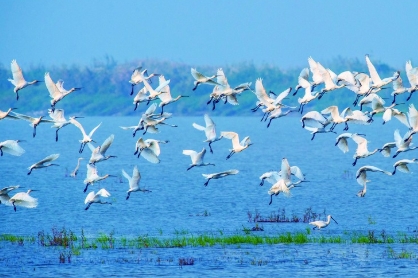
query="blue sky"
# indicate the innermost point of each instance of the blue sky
(281, 33)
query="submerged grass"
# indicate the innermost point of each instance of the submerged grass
(71, 244)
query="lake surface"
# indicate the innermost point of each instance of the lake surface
(179, 203)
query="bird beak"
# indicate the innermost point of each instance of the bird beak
(334, 220)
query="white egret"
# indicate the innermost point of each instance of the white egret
(11, 147)
(134, 182)
(141, 96)
(56, 90)
(165, 95)
(403, 144)
(342, 141)
(237, 146)
(308, 96)
(86, 138)
(336, 118)
(4, 194)
(75, 171)
(202, 79)
(377, 81)
(277, 113)
(95, 198)
(403, 165)
(18, 81)
(330, 85)
(209, 129)
(319, 224)
(197, 158)
(314, 119)
(34, 122)
(139, 76)
(23, 199)
(316, 73)
(386, 149)
(413, 121)
(303, 76)
(98, 154)
(154, 93)
(361, 174)
(315, 130)
(219, 175)
(361, 151)
(59, 120)
(44, 163)
(149, 148)
(93, 176)
(412, 74)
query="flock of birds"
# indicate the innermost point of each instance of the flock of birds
(364, 85)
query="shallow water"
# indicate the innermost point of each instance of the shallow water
(179, 201)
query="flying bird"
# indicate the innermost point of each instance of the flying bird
(95, 198)
(44, 163)
(197, 158)
(18, 80)
(134, 182)
(219, 175)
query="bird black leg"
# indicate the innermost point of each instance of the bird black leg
(34, 132)
(230, 154)
(206, 183)
(88, 206)
(1, 151)
(127, 197)
(269, 122)
(213, 105)
(271, 199)
(262, 182)
(136, 106)
(190, 167)
(410, 95)
(394, 98)
(56, 135)
(85, 189)
(313, 136)
(355, 161)
(132, 90)
(210, 147)
(17, 96)
(14, 207)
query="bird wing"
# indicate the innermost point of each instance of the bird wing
(51, 86)
(403, 168)
(316, 74)
(136, 175)
(398, 139)
(77, 124)
(282, 96)
(126, 176)
(199, 127)
(12, 147)
(150, 110)
(89, 197)
(49, 158)
(260, 92)
(221, 78)
(372, 70)
(285, 170)
(106, 144)
(295, 170)
(154, 146)
(150, 156)
(103, 192)
(197, 75)
(413, 116)
(93, 130)
(343, 143)
(17, 74)
(231, 135)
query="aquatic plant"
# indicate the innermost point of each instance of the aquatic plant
(280, 216)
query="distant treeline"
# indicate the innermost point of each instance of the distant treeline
(106, 90)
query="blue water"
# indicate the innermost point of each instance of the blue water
(178, 200)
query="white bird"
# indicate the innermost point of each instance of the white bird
(314, 119)
(139, 76)
(44, 163)
(316, 73)
(202, 79)
(209, 129)
(361, 151)
(263, 98)
(219, 175)
(149, 148)
(154, 93)
(134, 182)
(309, 95)
(277, 113)
(11, 147)
(393, 112)
(197, 158)
(7, 115)
(377, 81)
(403, 165)
(342, 141)
(377, 107)
(315, 130)
(319, 224)
(95, 198)
(93, 176)
(165, 95)
(86, 138)
(4, 194)
(330, 85)
(56, 90)
(361, 174)
(75, 171)
(283, 181)
(386, 149)
(141, 96)
(303, 76)
(59, 120)
(34, 122)
(412, 74)
(336, 118)
(98, 154)
(23, 199)
(18, 81)
(413, 121)
(237, 146)
(403, 144)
